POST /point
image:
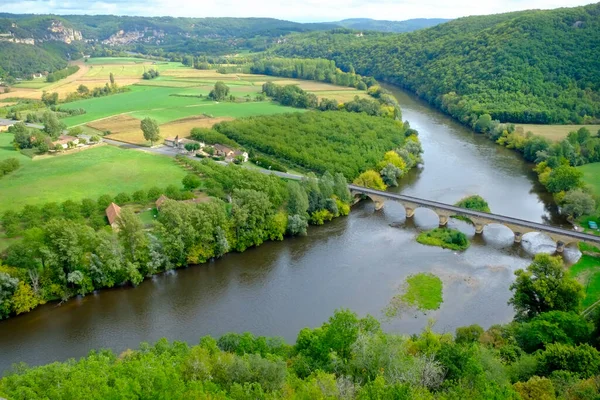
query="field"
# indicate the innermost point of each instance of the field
(90, 173)
(556, 132)
(587, 272)
(7, 150)
(591, 176)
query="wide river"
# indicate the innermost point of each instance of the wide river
(358, 262)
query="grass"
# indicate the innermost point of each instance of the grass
(587, 272)
(37, 83)
(90, 173)
(445, 238)
(118, 60)
(148, 217)
(555, 132)
(421, 291)
(591, 176)
(8, 151)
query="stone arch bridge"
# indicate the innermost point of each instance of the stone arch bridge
(562, 237)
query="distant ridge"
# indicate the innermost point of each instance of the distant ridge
(408, 25)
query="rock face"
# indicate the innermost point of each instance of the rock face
(59, 32)
(8, 37)
(127, 37)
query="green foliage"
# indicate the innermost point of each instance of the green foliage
(211, 136)
(318, 141)
(543, 287)
(8, 165)
(38, 60)
(445, 238)
(475, 65)
(421, 291)
(536, 388)
(576, 203)
(268, 163)
(474, 202)
(220, 92)
(151, 74)
(61, 74)
(150, 129)
(370, 179)
(191, 181)
(468, 334)
(583, 360)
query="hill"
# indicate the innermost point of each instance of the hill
(528, 67)
(22, 60)
(409, 25)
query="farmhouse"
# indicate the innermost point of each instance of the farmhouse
(64, 140)
(5, 124)
(178, 143)
(229, 153)
(113, 212)
(160, 201)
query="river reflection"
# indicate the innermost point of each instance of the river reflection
(358, 262)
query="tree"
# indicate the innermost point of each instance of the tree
(370, 179)
(140, 196)
(544, 287)
(151, 130)
(132, 236)
(191, 181)
(52, 125)
(112, 79)
(50, 99)
(564, 178)
(583, 359)
(390, 175)
(8, 286)
(297, 199)
(577, 203)
(297, 225)
(83, 90)
(340, 188)
(220, 92)
(536, 388)
(483, 123)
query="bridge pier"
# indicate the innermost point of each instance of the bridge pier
(518, 237)
(410, 212)
(479, 228)
(560, 247)
(378, 205)
(443, 220)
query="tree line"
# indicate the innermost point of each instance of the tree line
(61, 74)
(548, 352)
(67, 249)
(526, 67)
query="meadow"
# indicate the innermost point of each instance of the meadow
(556, 132)
(8, 151)
(86, 174)
(591, 176)
(587, 272)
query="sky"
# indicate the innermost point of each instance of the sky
(296, 10)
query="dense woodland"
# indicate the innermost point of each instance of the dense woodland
(529, 67)
(548, 352)
(319, 141)
(67, 249)
(22, 60)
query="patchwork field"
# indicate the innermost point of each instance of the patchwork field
(90, 173)
(556, 132)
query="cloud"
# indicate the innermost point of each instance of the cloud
(299, 10)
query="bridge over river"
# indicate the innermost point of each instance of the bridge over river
(562, 237)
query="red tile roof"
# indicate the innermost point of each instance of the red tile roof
(112, 213)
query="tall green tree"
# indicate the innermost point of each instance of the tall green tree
(544, 286)
(151, 130)
(219, 92)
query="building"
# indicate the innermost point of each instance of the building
(5, 124)
(113, 212)
(64, 140)
(229, 153)
(178, 143)
(160, 201)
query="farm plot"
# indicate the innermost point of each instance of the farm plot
(556, 132)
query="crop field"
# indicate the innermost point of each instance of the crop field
(183, 127)
(591, 176)
(118, 60)
(90, 173)
(556, 132)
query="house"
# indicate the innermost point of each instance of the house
(178, 143)
(5, 124)
(64, 140)
(113, 212)
(37, 75)
(229, 153)
(160, 201)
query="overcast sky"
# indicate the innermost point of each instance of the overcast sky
(294, 10)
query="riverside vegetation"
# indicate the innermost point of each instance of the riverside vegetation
(548, 352)
(65, 250)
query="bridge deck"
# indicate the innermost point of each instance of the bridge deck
(466, 212)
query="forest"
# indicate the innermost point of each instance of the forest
(22, 60)
(528, 67)
(548, 352)
(68, 249)
(319, 141)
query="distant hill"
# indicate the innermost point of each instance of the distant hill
(409, 25)
(528, 67)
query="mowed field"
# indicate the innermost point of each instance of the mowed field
(90, 173)
(556, 132)
(591, 176)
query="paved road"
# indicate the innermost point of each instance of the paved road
(472, 213)
(10, 121)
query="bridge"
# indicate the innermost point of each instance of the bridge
(562, 237)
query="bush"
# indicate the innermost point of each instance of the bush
(8, 165)
(474, 202)
(122, 198)
(191, 181)
(267, 163)
(320, 216)
(445, 238)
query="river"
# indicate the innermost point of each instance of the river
(358, 262)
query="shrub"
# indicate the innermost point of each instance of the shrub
(445, 238)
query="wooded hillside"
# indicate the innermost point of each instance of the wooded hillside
(529, 67)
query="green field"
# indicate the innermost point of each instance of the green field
(37, 83)
(90, 173)
(8, 151)
(120, 60)
(587, 272)
(591, 176)
(157, 102)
